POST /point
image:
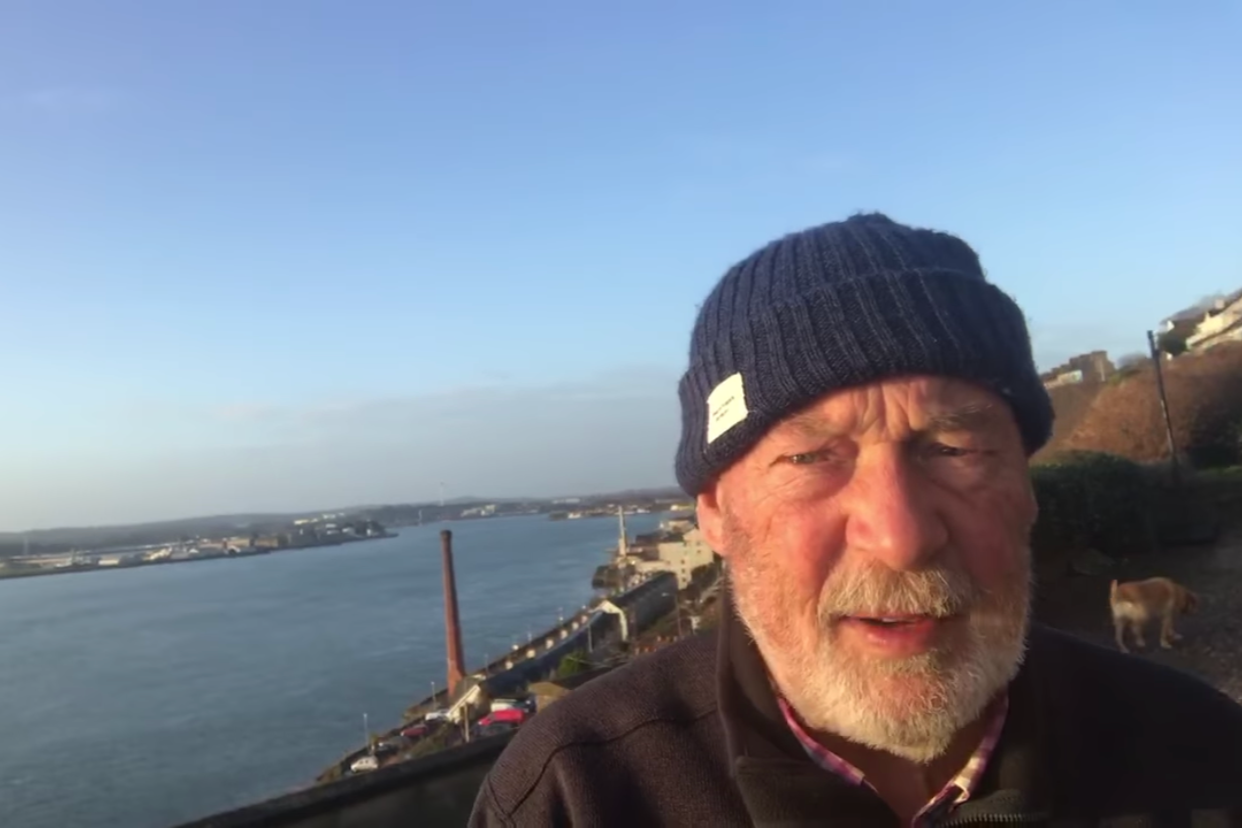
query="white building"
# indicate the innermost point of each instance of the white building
(680, 557)
(1067, 378)
(1206, 327)
(1221, 323)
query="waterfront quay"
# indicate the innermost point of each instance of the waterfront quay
(601, 633)
(647, 580)
(433, 764)
(648, 576)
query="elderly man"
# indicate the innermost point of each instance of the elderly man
(857, 416)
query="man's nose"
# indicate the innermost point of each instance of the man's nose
(890, 510)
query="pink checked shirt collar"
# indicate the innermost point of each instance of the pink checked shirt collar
(959, 788)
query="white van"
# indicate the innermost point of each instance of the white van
(364, 764)
(506, 704)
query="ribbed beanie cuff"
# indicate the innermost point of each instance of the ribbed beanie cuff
(842, 305)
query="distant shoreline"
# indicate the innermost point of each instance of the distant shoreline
(37, 572)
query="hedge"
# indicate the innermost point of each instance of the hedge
(1092, 500)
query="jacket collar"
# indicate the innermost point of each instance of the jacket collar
(753, 723)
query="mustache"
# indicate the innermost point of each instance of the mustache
(878, 591)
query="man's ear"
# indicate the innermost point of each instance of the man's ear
(711, 518)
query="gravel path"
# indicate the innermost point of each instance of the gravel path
(1211, 646)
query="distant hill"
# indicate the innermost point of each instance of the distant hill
(140, 534)
(471, 500)
(661, 493)
(55, 541)
(121, 534)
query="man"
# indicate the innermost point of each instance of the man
(857, 416)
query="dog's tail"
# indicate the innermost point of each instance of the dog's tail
(1112, 592)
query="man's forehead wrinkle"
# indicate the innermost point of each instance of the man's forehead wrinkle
(840, 415)
(872, 411)
(808, 422)
(962, 418)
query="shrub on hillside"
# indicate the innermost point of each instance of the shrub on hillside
(433, 743)
(572, 664)
(1092, 500)
(1171, 343)
(1205, 405)
(1131, 361)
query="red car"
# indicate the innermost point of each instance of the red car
(417, 731)
(511, 715)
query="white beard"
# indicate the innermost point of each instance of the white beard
(911, 708)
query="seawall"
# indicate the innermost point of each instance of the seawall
(643, 604)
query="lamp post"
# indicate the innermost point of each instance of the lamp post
(1164, 408)
(677, 609)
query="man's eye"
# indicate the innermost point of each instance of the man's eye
(940, 450)
(807, 458)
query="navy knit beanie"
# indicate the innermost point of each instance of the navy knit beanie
(845, 304)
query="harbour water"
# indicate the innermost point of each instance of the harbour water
(146, 697)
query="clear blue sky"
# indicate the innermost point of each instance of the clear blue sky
(283, 255)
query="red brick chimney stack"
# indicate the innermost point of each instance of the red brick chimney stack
(452, 621)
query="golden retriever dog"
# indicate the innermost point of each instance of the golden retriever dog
(1136, 603)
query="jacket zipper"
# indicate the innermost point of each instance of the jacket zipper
(991, 819)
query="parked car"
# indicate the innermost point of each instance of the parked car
(508, 715)
(364, 764)
(388, 747)
(436, 716)
(494, 728)
(504, 704)
(416, 731)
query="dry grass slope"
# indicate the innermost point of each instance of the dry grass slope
(1071, 402)
(1123, 418)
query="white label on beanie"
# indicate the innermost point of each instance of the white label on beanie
(726, 407)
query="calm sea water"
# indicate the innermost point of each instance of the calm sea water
(146, 697)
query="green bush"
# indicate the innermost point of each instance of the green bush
(1092, 500)
(432, 743)
(1217, 449)
(1171, 343)
(572, 664)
